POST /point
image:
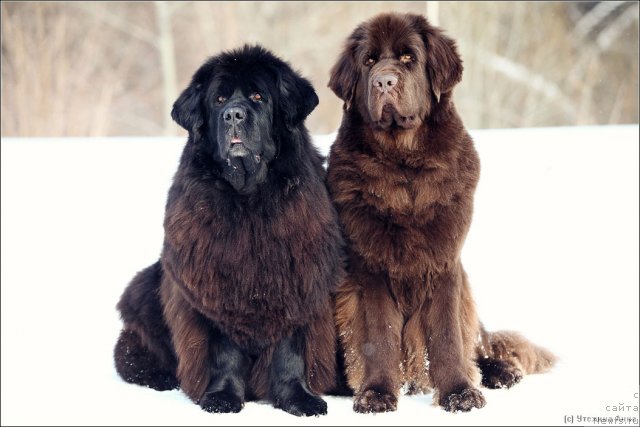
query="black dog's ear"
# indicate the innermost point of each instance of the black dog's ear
(344, 73)
(187, 111)
(444, 65)
(297, 98)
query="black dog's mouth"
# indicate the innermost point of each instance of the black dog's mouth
(238, 149)
(241, 163)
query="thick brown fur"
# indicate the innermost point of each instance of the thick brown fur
(239, 305)
(402, 175)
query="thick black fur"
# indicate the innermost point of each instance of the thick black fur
(239, 306)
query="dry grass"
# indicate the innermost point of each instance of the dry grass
(104, 68)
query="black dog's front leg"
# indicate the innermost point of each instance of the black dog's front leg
(287, 384)
(227, 387)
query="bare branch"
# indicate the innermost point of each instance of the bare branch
(523, 75)
(168, 62)
(594, 17)
(617, 27)
(117, 22)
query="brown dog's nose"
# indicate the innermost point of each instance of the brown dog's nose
(385, 82)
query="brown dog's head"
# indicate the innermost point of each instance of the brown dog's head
(395, 69)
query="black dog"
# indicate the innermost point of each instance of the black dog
(239, 305)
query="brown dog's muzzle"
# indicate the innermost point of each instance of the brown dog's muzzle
(384, 82)
(390, 102)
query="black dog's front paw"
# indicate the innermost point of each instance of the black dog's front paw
(308, 406)
(463, 399)
(374, 401)
(163, 381)
(304, 404)
(499, 374)
(221, 402)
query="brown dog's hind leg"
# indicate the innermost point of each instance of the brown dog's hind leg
(504, 357)
(498, 373)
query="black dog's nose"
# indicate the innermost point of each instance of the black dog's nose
(385, 82)
(234, 115)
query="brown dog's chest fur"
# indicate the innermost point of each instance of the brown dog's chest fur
(405, 212)
(404, 194)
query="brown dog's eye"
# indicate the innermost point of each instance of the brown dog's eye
(221, 99)
(406, 58)
(369, 61)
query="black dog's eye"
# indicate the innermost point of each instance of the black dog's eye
(256, 97)
(221, 99)
(369, 61)
(405, 58)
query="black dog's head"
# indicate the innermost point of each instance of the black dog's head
(239, 108)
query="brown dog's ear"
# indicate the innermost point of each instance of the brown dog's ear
(344, 73)
(444, 65)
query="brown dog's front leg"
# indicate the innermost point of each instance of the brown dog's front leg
(448, 366)
(370, 326)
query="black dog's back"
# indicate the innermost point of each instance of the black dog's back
(143, 354)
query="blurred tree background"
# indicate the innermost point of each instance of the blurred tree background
(115, 68)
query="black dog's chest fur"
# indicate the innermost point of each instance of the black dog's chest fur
(248, 270)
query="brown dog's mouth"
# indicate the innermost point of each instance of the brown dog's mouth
(391, 118)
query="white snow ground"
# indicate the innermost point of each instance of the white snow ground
(552, 253)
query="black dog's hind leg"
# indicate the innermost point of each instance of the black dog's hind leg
(287, 385)
(227, 387)
(136, 364)
(143, 354)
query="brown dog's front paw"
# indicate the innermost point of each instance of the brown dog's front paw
(463, 400)
(374, 401)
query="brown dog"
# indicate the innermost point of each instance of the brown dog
(402, 174)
